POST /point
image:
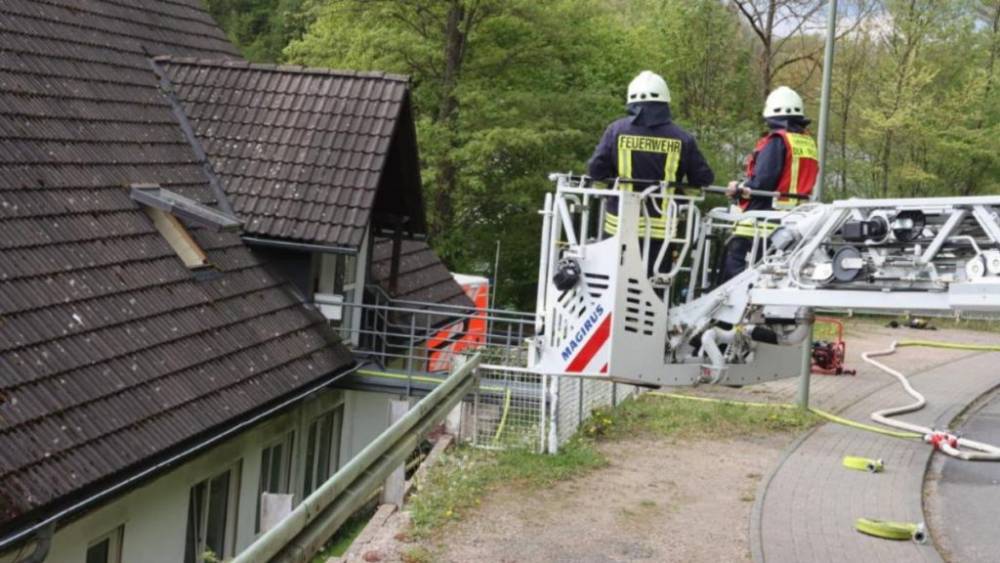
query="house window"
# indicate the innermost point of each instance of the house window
(211, 527)
(322, 449)
(275, 471)
(107, 548)
(337, 275)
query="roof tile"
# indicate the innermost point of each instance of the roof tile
(313, 128)
(423, 277)
(110, 351)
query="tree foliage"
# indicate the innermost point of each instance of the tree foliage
(262, 28)
(506, 91)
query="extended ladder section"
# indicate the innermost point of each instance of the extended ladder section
(626, 307)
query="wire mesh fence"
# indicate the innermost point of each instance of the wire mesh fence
(509, 410)
(575, 400)
(514, 407)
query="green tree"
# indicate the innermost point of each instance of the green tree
(262, 28)
(505, 92)
(706, 57)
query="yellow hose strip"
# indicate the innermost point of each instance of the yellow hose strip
(503, 418)
(949, 345)
(818, 412)
(891, 530)
(721, 401)
(864, 464)
(866, 427)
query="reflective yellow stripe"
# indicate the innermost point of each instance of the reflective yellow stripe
(671, 149)
(624, 163)
(803, 146)
(657, 226)
(672, 162)
(750, 227)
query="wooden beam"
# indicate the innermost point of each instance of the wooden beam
(178, 237)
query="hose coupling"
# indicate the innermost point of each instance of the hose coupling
(938, 439)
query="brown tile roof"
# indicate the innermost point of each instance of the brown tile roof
(422, 275)
(111, 353)
(302, 152)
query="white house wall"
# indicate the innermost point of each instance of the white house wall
(155, 515)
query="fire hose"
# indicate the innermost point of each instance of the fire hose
(864, 464)
(892, 530)
(946, 442)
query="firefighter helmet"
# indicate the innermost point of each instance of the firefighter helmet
(783, 101)
(648, 87)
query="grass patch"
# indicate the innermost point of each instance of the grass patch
(345, 536)
(652, 415)
(417, 554)
(457, 483)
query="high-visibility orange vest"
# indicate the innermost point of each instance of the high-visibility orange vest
(798, 176)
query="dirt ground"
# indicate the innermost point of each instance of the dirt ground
(658, 500)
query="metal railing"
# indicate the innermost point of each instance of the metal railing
(303, 532)
(412, 337)
(416, 343)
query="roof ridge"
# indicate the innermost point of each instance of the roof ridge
(278, 67)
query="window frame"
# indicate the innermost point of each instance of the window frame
(345, 275)
(230, 523)
(310, 474)
(115, 539)
(287, 465)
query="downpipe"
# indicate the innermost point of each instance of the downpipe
(43, 542)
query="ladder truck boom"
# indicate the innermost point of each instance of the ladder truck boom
(600, 314)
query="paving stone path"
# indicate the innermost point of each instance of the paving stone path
(806, 508)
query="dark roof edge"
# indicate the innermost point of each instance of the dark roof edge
(271, 67)
(295, 245)
(56, 516)
(167, 90)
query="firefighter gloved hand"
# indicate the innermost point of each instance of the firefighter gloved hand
(735, 188)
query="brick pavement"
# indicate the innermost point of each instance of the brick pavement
(806, 508)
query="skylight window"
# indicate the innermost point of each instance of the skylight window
(155, 197)
(166, 208)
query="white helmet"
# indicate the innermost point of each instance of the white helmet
(648, 87)
(783, 101)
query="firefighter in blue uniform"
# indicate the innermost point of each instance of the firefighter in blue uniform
(647, 145)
